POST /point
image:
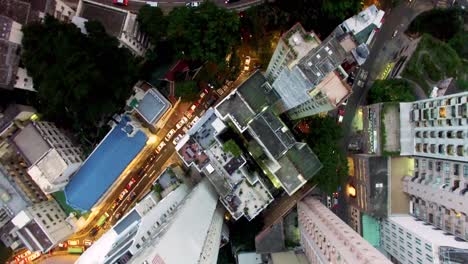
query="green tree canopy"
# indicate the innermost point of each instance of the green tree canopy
(323, 140)
(187, 90)
(205, 33)
(393, 90)
(232, 147)
(152, 22)
(81, 79)
(440, 23)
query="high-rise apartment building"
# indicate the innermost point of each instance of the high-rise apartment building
(293, 45)
(409, 241)
(433, 132)
(311, 76)
(42, 226)
(327, 239)
(50, 155)
(156, 230)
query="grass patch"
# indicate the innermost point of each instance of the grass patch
(434, 60)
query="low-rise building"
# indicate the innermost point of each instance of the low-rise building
(50, 155)
(42, 226)
(369, 184)
(117, 22)
(240, 189)
(105, 164)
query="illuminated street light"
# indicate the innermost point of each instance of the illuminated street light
(151, 140)
(351, 191)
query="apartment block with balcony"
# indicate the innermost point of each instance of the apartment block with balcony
(436, 127)
(409, 241)
(293, 45)
(434, 134)
(437, 192)
(327, 239)
(48, 153)
(42, 226)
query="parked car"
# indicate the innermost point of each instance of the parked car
(160, 146)
(192, 4)
(73, 242)
(395, 33)
(122, 194)
(181, 122)
(130, 184)
(94, 231)
(341, 113)
(195, 120)
(117, 216)
(114, 205)
(170, 134)
(88, 242)
(121, 2)
(177, 139)
(132, 197)
(329, 202)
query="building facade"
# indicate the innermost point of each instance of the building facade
(327, 239)
(50, 155)
(434, 135)
(409, 241)
(42, 226)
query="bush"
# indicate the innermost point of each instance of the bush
(232, 147)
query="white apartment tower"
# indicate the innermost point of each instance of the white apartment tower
(42, 226)
(186, 226)
(434, 132)
(293, 45)
(50, 155)
(409, 241)
(327, 239)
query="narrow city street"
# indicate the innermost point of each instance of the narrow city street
(382, 51)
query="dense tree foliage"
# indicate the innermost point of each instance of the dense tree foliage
(205, 33)
(323, 139)
(440, 23)
(459, 43)
(80, 79)
(187, 90)
(396, 90)
(152, 22)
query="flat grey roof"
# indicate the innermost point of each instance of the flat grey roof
(31, 144)
(112, 20)
(237, 108)
(299, 160)
(257, 92)
(128, 220)
(152, 106)
(269, 130)
(38, 235)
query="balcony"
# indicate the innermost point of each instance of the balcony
(460, 151)
(462, 111)
(442, 112)
(451, 150)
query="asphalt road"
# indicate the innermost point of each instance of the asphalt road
(382, 51)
